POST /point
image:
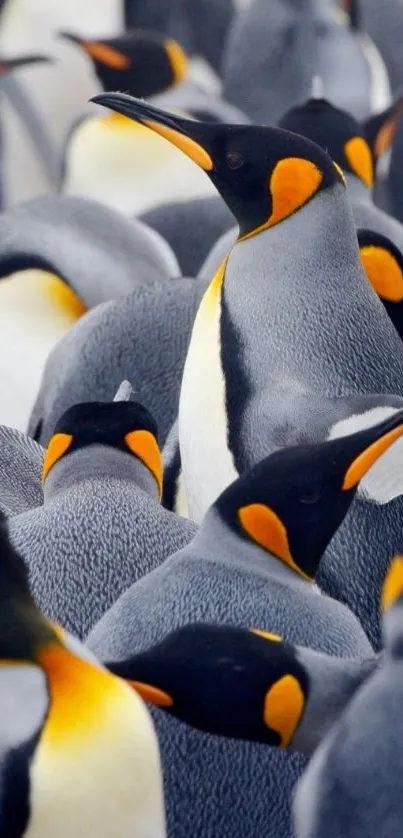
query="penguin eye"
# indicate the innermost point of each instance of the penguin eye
(234, 159)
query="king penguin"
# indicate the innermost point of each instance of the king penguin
(353, 784)
(265, 366)
(101, 526)
(21, 460)
(273, 53)
(380, 236)
(143, 337)
(60, 256)
(110, 159)
(253, 564)
(79, 754)
(218, 678)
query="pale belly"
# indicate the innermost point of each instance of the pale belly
(33, 318)
(129, 167)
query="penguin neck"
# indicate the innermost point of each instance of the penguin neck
(333, 682)
(98, 462)
(216, 540)
(357, 190)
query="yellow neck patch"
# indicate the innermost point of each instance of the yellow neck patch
(293, 182)
(58, 445)
(392, 588)
(366, 460)
(145, 447)
(359, 156)
(283, 708)
(264, 527)
(384, 272)
(178, 59)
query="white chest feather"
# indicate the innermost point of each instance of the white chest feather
(36, 310)
(129, 167)
(207, 463)
(96, 772)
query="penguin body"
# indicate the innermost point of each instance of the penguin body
(385, 27)
(142, 337)
(78, 749)
(238, 571)
(191, 228)
(58, 257)
(20, 469)
(340, 791)
(289, 46)
(324, 359)
(100, 527)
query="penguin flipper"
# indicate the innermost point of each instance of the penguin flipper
(300, 417)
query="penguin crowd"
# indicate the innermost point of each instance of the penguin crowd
(201, 419)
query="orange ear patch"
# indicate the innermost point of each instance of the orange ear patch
(383, 271)
(359, 156)
(366, 460)
(392, 588)
(178, 60)
(144, 446)
(107, 55)
(267, 635)
(151, 694)
(58, 445)
(386, 135)
(283, 708)
(189, 147)
(264, 527)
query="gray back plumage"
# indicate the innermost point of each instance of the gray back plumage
(100, 253)
(274, 51)
(384, 23)
(20, 472)
(210, 581)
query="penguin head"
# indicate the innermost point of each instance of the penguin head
(141, 62)
(224, 680)
(383, 265)
(263, 174)
(291, 503)
(124, 425)
(336, 131)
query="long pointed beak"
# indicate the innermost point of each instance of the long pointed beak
(8, 64)
(190, 137)
(375, 441)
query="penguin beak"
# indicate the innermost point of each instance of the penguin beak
(100, 52)
(9, 64)
(375, 441)
(151, 694)
(188, 136)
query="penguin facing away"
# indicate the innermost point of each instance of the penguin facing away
(79, 753)
(143, 337)
(246, 684)
(101, 526)
(303, 372)
(352, 785)
(252, 564)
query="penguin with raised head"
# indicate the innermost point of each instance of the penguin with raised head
(101, 526)
(79, 754)
(143, 337)
(273, 53)
(246, 684)
(265, 366)
(252, 563)
(353, 784)
(379, 235)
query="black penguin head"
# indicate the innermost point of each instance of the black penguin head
(125, 425)
(292, 503)
(335, 131)
(263, 174)
(223, 680)
(383, 265)
(392, 609)
(141, 62)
